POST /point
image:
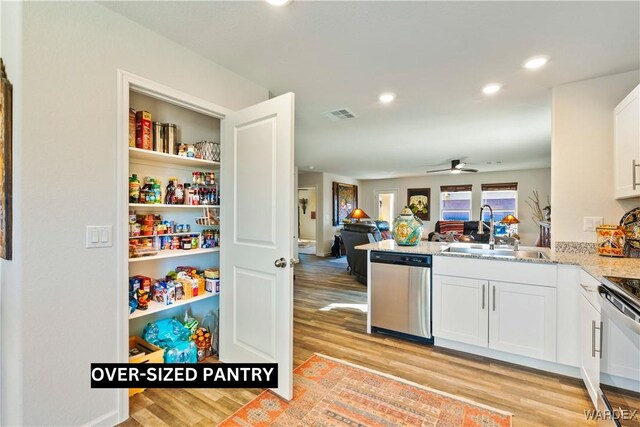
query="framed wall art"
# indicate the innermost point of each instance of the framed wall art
(419, 201)
(345, 199)
(6, 99)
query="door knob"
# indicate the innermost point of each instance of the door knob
(293, 261)
(280, 263)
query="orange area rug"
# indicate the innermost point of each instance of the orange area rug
(331, 392)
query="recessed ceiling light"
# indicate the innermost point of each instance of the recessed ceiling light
(491, 88)
(279, 2)
(386, 98)
(535, 62)
(312, 167)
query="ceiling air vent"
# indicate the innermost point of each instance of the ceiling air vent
(340, 114)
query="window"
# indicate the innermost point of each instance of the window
(455, 203)
(503, 198)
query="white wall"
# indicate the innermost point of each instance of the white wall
(307, 225)
(582, 154)
(58, 298)
(528, 180)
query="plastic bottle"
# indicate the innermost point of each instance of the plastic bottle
(169, 196)
(147, 194)
(157, 190)
(188, 194)
(179, 193)
(134, 189)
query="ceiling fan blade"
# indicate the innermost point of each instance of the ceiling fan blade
(439, 170)
(469, 170)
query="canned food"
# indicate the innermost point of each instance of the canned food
(175, 242)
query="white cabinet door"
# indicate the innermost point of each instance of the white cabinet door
(460, 309)
(256, 299)
(589, 344)
(627, 146)
(522, 319)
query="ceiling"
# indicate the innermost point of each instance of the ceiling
(436, 56)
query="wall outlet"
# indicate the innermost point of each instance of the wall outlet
(99, 236)
(591, 222)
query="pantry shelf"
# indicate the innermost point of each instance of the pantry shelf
(175, 253)
(156, 307)
(189, 233)
(163, 206)
(171, 159)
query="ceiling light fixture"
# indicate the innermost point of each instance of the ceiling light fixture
(279, 2)
(491, 88)
(386, 98)
(455, 171)
(535, 62)
(311, 167)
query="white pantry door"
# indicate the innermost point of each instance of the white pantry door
(257, 221)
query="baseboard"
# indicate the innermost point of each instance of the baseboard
(543, 365)
(110, 419)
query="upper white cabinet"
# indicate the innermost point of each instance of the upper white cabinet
(627, 146)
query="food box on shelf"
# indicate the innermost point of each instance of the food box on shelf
(143, 352)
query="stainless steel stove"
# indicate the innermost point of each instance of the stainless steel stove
(620, 349)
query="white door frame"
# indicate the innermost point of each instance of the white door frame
(126, 82)
(376, 207)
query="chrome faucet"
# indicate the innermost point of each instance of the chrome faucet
(492, 239)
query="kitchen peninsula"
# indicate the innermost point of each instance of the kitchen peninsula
(527, 310)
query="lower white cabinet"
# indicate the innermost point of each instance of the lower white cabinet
(590, 332)
(460, 309)
(522, 319)
(510, 317)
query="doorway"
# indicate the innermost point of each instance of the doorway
(307, 211)
(386, 205)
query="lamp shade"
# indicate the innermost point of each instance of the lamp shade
(357, 213)
(509, 219)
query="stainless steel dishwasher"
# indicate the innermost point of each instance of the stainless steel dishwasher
(401, 295)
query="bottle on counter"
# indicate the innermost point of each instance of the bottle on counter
(134, 189)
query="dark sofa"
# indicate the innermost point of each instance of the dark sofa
(470, 228)
(361, 233)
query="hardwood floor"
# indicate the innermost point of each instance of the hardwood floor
(328, 319)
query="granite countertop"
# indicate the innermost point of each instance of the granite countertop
(594, 264)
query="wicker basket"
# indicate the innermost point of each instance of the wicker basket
(208, 150)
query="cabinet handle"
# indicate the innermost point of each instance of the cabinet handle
(483, 296)
(600, 329)
(494, 297)
(635, 165)
(586, 288)
(593, 339)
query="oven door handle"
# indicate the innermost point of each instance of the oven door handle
(617, 316)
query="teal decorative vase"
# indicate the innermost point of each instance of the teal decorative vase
(407, 228)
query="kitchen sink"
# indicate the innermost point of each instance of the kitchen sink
(499, 251)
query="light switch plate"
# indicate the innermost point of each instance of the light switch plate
(99, 236)
(591, 222)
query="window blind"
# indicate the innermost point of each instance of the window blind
(500, 187)
(455, 188)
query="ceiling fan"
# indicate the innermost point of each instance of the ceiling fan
(456, 167)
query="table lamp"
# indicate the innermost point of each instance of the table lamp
(509, 220)
(357, 214)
